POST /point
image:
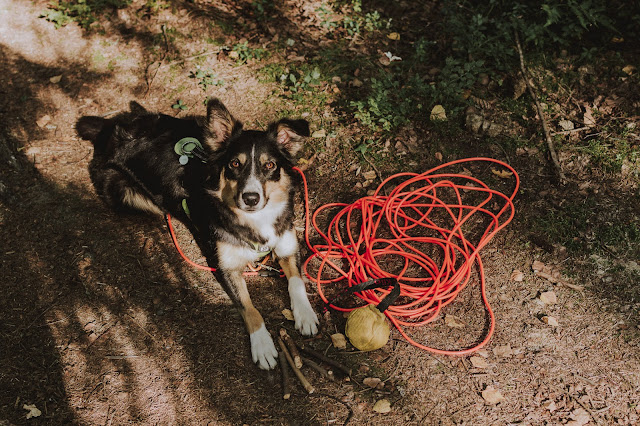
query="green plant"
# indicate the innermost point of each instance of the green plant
(242, 52)
(298, 83)
(180, 105)
(206, 78)
(84, 12)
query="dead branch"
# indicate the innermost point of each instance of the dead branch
(328, 374)
(293, 350)
(545, 127)
(305, 383)
(286, 387)
(332, 362)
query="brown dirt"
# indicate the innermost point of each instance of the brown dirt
(101, 322)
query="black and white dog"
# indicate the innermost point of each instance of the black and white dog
(233, 188)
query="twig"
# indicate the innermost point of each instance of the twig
(164, 55)
(305, 383)
(286, 387)
(325, 359)
(297, 360)
(566, 132)
(319, 369)
(545, 127)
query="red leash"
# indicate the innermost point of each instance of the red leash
(397, 228)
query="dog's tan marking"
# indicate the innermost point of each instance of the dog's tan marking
(277, 191)
(137, 201)
(242, 158)
(289, 267)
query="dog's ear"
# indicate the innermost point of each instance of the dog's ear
(136, 108)
(220, 124)
(290, 134)
(89, 127)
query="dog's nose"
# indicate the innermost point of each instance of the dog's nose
(251, 198)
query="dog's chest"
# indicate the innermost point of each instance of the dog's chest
(263, 222)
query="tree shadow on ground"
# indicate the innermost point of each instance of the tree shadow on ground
(101, 322)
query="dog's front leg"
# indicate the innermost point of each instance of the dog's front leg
(287, 253)
(263, 351)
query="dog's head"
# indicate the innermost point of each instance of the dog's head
(255, 166)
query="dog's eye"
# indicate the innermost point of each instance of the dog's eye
(269, 165)
(234, 164)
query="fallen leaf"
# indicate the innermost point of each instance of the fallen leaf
(549, 297)
(319, 134)
(339, 341)
(566, 124)
(580, 417)
(382, 406)
(288, 314)
(43, 121)
(478, 362)
(453, 322)
(503, 351)
(549, 405)
(517, 276)
(372, 382)
(33, 411)
(393, 36)
(549, 320)
(439, 156)
(629, 70)
(438, 113)
(56, 79)
(504, 174)
(356, 83)
(588, 118)
(492, 396)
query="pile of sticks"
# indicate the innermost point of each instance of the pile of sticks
(290, 355)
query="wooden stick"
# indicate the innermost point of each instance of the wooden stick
(286, 387)
(545, 128)
(293, 350)
(319, 369)
(317, 355)
(307, 386)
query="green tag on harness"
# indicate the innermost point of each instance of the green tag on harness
(185, 207)
(188, 148)
(261, 250)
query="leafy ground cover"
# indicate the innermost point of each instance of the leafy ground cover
(102, 324)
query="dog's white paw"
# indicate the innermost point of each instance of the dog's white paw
(306, 319)
(263, 351)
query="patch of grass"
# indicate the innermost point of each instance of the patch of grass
(84, 12)
(206, 78)
(242, 52)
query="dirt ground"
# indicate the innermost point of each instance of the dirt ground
(101, 323)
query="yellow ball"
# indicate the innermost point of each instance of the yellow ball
(367, 328)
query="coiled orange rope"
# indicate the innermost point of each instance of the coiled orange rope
(423, 212)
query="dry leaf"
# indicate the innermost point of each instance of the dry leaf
(549, 297)
(339, 341)
(43, 121)
(478, 362)
(438, 113)
(549, 405)
(552, 321)
(492, 396)
(453, 322)
(580, 417)
(319, 134)
(372, 382)
(629, 70)
(588, 118)
(504, 174)
(393, 36)
(288, 314)
(382, 406)
(517, 276)
(356, 83)
(33, 411)
(56, 79)
(439, 156)
(503, 351)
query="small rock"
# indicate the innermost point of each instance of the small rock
(382, 406)
(552, 321)
(438, 113)
(517, 276)
(43, 121)
(339, 341)
(56, 79)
